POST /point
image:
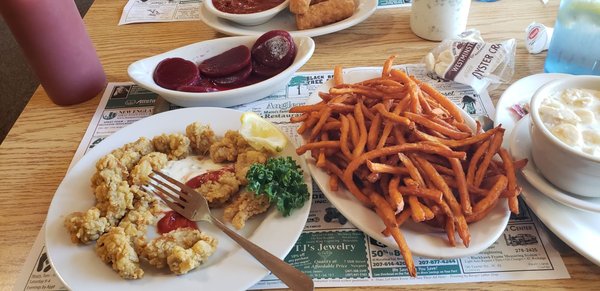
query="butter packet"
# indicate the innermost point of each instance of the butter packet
(469, 60)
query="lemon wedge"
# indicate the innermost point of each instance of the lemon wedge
(261, 134)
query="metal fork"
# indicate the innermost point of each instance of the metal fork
(193, 206)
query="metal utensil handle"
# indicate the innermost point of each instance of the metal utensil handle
(291, 276)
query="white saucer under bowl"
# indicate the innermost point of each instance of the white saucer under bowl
(578, 229)
(520, 147)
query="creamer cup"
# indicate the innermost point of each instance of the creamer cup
(537, 37)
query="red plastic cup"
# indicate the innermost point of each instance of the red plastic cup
(55, 42)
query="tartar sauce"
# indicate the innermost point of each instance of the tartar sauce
(572, 115)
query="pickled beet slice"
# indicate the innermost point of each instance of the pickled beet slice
(275, 49)
(235, 79)
(226, 63)
(173, 73)
(264, 71)
(269, 34)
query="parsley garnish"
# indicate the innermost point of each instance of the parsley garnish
(282, 180)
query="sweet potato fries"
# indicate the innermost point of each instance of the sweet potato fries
(404, 150)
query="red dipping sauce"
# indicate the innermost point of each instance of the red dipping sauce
(172, 221)
(245, 6)
(208, 176)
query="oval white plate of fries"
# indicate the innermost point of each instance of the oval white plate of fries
(285, 20)
(81, 269)
(421, 239)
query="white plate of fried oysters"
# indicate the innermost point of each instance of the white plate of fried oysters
(229, 268)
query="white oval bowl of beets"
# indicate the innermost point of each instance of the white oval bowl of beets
(226, 71)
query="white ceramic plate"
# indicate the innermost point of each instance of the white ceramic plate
(579, 229)
(141, 72)
(422, 240)
(285, 20)
(520, 148)
(230, 268)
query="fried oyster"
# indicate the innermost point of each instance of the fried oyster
(228, 148)
(244, 206)
(114, 200)
(113, 197)
(116, 248)
(181, 250)
(121, 245)
(149, 162)
(218, 192)
(131, 153)
(201, 137)
(85, 227)
(176, 145)
(109, 169)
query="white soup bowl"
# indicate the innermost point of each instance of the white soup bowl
(566, 167)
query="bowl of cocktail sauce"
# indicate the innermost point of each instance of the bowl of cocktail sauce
(246, 12)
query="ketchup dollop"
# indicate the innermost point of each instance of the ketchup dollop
(208, 176)
(172, 221)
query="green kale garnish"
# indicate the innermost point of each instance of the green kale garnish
(282, 180)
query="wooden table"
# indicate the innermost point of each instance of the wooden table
(37, 151)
